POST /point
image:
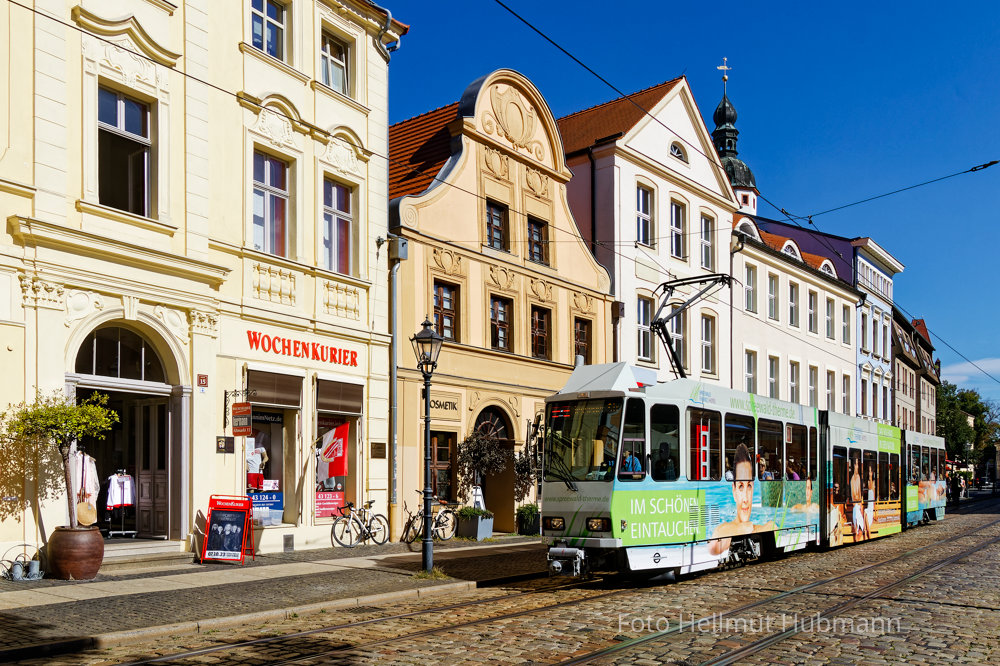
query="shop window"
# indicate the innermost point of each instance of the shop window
(339, 397)
(333, 454)
(272, 388)
(265, 467)
(705, 459)
(442, 467)
(124, 166)
(113, 351)
(665, 450)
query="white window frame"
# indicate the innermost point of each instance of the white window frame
(266, 23)
(144, 141)
(793, 381)
(678, 215)
(644, 215)
(268, 193)
(329, 63)
(793, 304)
(708, 344)
(330, 239)
(750, 370)
(675, 329)
(706, 243)
(813, 381)
(644, 341)
(864, 331)
(831, 306)
(831, 399)
(773, 378)
(845, 334)
(773, 294)
(751, 288)
(812, 305)
(846, 397)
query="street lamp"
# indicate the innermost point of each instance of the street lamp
(427, 347)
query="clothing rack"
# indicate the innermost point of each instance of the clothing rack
(117, 478)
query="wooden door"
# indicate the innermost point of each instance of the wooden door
(153, 501)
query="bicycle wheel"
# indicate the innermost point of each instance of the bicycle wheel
(378, 529)
(414, 527)
(346, 532)
(445, 524)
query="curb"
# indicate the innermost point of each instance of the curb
(117, 638)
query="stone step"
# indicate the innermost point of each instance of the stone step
(129, 554)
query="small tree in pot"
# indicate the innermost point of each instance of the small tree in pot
(524, 482)
(480, 455)
(58, 421)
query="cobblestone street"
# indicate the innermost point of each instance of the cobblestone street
(942, 606)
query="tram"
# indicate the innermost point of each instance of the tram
(684, 476)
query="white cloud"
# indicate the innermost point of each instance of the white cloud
(968, 376)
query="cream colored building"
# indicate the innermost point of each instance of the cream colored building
(495, 260)
(192, 194)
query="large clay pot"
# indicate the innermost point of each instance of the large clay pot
(75, 553)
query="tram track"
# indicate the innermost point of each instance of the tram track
(808, 588)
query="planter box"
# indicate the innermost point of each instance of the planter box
(529, 528)
(478, 528)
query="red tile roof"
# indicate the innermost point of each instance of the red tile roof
(581, 129)
(418, 148)
(922, 330)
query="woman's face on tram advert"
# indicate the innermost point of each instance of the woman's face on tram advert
(743, 484)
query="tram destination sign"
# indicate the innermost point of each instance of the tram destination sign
(241, 419)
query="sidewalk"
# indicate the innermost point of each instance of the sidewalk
(51, 617)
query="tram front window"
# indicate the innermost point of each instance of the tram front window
(581, 439)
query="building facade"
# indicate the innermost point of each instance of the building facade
(197, 227)
(495, 261)
(928, 380)
(652, 199)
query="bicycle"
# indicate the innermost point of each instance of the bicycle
(443, 526)
(355, 526)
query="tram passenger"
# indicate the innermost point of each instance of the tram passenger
(764, 474)
(743, 497)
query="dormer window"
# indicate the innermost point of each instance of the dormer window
(827, 269)
(677, 151)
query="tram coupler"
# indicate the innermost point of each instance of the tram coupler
(569, 561)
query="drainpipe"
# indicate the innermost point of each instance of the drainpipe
(383, 48)
(593, 202)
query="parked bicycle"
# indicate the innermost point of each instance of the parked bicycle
(443, 525)
(355, 526)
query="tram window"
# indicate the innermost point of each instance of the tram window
(739, 430)
(936, 466)
(813, 453)
(893, 476)
(839, 474)
(924, 462)
(632, 466)
(883, 477)
(706, 445)
(795, 452)
(914, 465)
(769, 450)
(855, 482)
(581, 439)
(869, 476)
(665, 448)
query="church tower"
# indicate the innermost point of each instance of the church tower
(725, 136)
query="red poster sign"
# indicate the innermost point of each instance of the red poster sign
(328, 502)
(241, 419)
(333, 451)
(228, 529)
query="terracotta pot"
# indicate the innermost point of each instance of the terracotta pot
(75, 553)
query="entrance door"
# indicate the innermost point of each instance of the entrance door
(153, 433)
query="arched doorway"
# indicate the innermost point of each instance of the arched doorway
(120, 361)
(498, 489)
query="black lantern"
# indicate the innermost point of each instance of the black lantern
(426, 347)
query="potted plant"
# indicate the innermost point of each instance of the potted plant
(527, 519)
(475, 523)
(72, 552)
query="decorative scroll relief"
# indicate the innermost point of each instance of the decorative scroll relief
(513, 119)
(275, 128)
(174, 321)
(537, 182)
(204, 323)
(80, 304)
(583, 302)
(497, 163)
(341, 156)
(119, 54)
(502, 278)
(37, 293)
(275, 285)
(510, 400)
(448, 261)
(130, 304)
(342, 300)
(541, 289)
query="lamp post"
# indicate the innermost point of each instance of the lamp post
(427, 347)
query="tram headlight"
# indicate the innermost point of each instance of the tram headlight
(598, 524)
(553, 523)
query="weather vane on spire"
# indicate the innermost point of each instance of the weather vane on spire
(725, 73)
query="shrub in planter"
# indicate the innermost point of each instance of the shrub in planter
(475, 523)
(527, 519)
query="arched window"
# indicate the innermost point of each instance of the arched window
(677, 151)
(493, 423)
(112, 351)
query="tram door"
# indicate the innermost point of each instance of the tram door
(152, 431)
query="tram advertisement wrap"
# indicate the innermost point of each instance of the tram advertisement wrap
(646, 518)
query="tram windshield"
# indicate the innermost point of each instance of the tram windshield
(581, 439)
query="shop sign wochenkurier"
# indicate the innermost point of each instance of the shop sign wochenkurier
(315, 351)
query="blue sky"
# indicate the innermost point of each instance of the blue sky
(836, 103)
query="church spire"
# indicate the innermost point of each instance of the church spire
(725, 136)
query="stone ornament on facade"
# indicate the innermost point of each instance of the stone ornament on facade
(541, 289)
(513, 119)
(274, 127)
(448, 261)
(130, 305)
(583, 302)
(342, 300)
(502, 278)
(497, 163)
(174, 321)
(36, 293)
(80, 304)
(342, 156)
(204, 323)
(509, 401)
(537, 182)
(272, 284)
